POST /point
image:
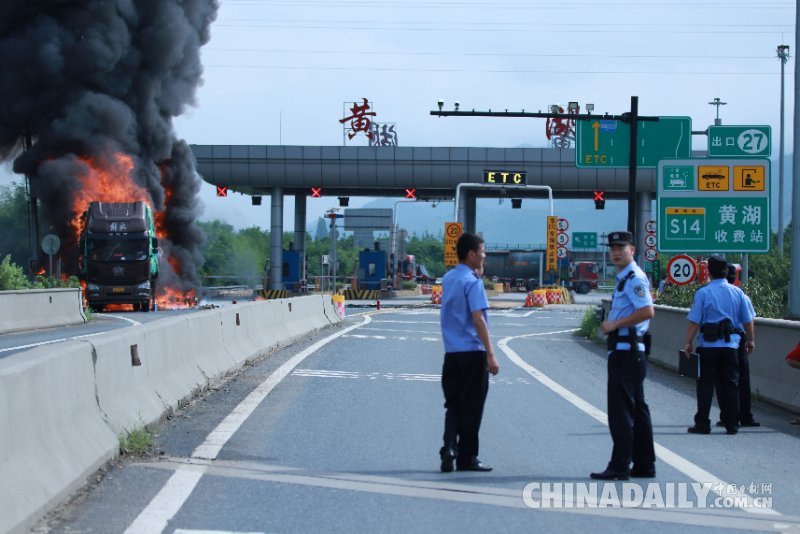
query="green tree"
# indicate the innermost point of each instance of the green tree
(429, 251)
(218, 249)
(12, 276)
(14, 222)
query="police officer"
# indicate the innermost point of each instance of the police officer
(717, 308)
(469, 356)
(626, 326)
(745, 402)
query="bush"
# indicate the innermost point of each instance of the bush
(488, 284)
(767, 301)
(589, 323)
(52, 282)
(408, 284)
(12, 276)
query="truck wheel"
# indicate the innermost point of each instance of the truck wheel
(583, 288)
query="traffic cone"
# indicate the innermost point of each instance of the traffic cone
(529, 300)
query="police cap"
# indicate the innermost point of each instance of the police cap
(717, 266)
(620, 238)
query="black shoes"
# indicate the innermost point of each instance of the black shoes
(474, 465)
(732, 430)
(610, 474)
(448, 456)
(746, 424)
(698, 430)
(637, 472)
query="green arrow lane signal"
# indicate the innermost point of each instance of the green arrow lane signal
(606, 143)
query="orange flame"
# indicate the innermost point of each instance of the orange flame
(112, 181)
(112, 184)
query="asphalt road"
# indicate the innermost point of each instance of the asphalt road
(340, 433)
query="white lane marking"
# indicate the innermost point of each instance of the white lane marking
(693, 471)
(400, 330)
(170, 499)
(21, 347)
(192, 531)
(405, 322)
(420, 377)
(132, 321)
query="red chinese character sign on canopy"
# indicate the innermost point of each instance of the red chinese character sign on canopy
(359, 119)
(561, 132)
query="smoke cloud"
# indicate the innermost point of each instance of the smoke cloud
(87, 79)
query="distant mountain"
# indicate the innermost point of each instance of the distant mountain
(502, 225)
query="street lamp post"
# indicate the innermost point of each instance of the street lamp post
(783, 56)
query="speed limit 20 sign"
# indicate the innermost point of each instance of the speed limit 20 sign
(681, 270)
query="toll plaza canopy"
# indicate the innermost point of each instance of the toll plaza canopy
(430, 172)
(386, 171)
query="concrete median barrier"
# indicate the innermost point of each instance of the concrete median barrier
(40, 308)
(53, 435)
(770, 378)
(64, 405)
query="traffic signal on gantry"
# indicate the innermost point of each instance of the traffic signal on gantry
(599, 200)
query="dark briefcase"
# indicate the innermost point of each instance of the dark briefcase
(689, 367)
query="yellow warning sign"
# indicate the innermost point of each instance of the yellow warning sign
(749, 178)
(713, 178)
(452, 231)
(551, 257)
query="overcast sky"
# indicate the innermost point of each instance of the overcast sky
(279, 71)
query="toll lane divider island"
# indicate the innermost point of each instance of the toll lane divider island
(66, 404)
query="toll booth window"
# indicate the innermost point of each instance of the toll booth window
(372, 269)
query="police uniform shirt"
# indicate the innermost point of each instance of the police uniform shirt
(716, 301)
(462, 294)
(635, 294)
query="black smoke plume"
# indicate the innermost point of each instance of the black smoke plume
(88, 78)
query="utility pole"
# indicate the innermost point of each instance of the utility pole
(794, 284)
(783, 56)
(33, 217)
(717, 102)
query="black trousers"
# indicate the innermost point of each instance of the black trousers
(628, 413)
(719, 368)
(465, 382)
(745, 401)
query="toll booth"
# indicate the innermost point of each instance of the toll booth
(371, 269)
(292, 263)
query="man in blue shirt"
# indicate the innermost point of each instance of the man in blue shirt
(717, 308)
(626, 326)
(469, 356)
(745, 401)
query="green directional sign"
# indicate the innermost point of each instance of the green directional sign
(605, 143)
(739, 141)
(714, 205)
(584, 240)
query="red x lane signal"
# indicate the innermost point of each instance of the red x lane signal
(222, 191)
(599, 195)
(411, 193)
(316, 192)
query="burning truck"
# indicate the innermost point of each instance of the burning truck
(119, 255)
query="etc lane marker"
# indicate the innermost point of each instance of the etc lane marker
(168, 501)
(693, 471)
